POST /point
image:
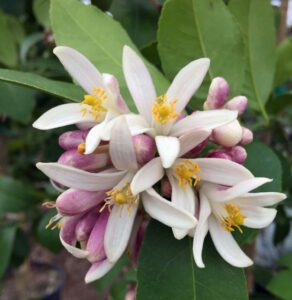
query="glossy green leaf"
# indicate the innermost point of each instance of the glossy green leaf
(279, 103)
(280, 285)
(16, 102)
(191, 29)
(7, 235)
(286, 261)
(64, 90)
(284, 62)
(98, 36)
(41, 11)
(166, 270)
(253, 16)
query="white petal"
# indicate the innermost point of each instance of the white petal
(63, 115)
(258, 217)
(168, 148)
(183, 199)
(79, 179)
(201, 230)
(227, 246)
(222, 171)
(165, 212)
(235, 191)
(98, 270)
(76, 252)
(261, 199)
(93, 137)
(186, 82)
(139, 82)
(80, 68)
(203, 120)
(147, 176)
(191, 139)
(121, 150)
(118, 231)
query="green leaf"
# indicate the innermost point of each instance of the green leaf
(14, 196)
(166, 270)
(280, 285)
(253, 16)
(17, 102)
(47, 237)
(57, 88)
(97, 36)
(191, 29)
(7, 235)
(286, 261)
(262, 161)
(284, 62)
(278, 104)
(41, 11)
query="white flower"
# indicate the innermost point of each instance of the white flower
(226, 209)
(102, 104)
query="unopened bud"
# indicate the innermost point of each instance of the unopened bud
(238, 154)
(197, 150)
(90, 162)
(219, 154)
(247, 136)
(238, 103)
(218, 94)
(228, 135)
(145, 148)
(165, 188)
(71, 139)
(73, 202)
(85, 225)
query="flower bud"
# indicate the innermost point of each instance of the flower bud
(197, 150)
(95, 243)
(73, 202)
(89, 162)
(238, 154)
(71, 139)
(247, 136)
(131, 293)
(219, 154)
(217, 95)
(145, 148)
(165, 188)
(85, 225)
(238, 103)
(228, 135)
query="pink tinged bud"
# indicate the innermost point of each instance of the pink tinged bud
(228, 135)
(145, 148)
(218, 94)
(197, 150)
(90, 162)
(68, 230)
(74, 202)
(238, 154)
(247, 136)
(71, 139)
(165, 188)
(219, 154)
(85, 225)
(131, 293)
(238, 103)
(95, 244)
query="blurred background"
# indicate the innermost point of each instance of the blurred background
(33, 264)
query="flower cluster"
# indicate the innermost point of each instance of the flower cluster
(120, 167)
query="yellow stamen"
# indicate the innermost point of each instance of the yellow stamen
(121, 197)
(57, 220)
(186, 172)
(162, 110)
(95, 100)
(81, 148)
(235, 218)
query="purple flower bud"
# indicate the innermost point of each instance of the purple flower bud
(71, 139)
(218, 94)
(74, 202)
(219, 153)
(247, 136)
(67, 232)
(95, 244)
(228, 135)
(165, 188)
(86, 224)
(145, 148)
(238, 154)
(238, 103)
(195, 151)
(90, 162)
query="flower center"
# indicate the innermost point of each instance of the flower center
(121, 197)
(235, 218)
(186, 172)
(95, 100)
(162, 110)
